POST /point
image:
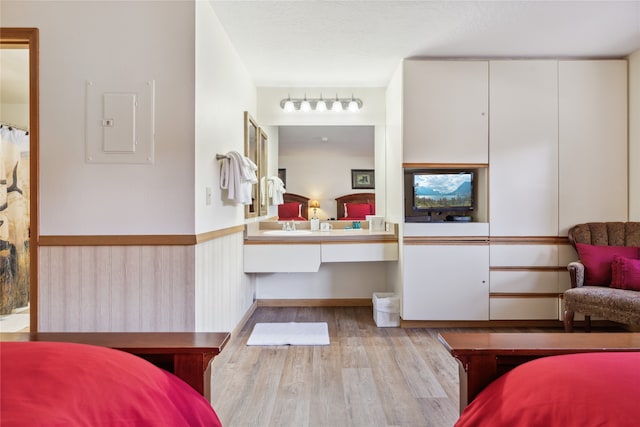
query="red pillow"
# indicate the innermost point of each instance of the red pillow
(625, 273)
(597, 261)
(289, 210)
(615, 272)
(372, 208)
(357, 210)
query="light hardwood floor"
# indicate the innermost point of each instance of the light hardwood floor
(367, 376)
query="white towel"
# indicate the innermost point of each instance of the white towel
(276, 190)
(237, 174)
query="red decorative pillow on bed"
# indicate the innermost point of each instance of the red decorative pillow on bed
(357, 210)
(597, 261)
(291, 210)
(625, 273)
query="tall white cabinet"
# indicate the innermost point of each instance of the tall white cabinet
(556, 149)
(523, 163)
(523, 149)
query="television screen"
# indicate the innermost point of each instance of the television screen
(442, 190)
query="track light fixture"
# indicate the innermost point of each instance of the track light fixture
(305, 104)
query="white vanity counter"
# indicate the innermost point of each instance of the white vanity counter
(269, 249)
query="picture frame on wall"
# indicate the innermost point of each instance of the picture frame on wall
(362, 179)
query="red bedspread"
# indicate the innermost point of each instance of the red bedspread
(63, 384)
(589, 389)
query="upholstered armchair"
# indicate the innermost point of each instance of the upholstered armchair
(592, 292)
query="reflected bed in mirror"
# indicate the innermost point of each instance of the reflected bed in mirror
(294, 208)
(355, 206)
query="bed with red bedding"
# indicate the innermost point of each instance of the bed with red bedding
(356, 206)
(294, 208)
(67, 384)
(585, 389)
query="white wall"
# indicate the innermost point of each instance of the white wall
(333, 280)
(180, 45)
(116, 44)
(224, 90)
(634, 136)
(394, 177)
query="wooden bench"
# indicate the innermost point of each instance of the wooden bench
(485, 356)
(185, 354)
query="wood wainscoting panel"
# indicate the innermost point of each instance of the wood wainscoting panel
(117, 288)
(223, 292)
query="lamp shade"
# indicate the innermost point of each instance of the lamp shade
(289, 106)
(314, 204)
(321, 105)
(305, 105)
(353, 106)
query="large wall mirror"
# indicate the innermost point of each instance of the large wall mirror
(251, 152)
(318, 161)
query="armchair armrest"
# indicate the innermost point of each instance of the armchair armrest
(576, 273)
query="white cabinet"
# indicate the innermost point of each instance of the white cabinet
(279, 258)
(359, 252)
(523, 148)
(593, 141)
(446, 282)
(524, 293)
(306, 258)
(445, 111)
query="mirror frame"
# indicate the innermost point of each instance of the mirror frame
(251, 151)
(263, 171)
(30, 38)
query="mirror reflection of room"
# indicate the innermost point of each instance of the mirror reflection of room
(318, 161)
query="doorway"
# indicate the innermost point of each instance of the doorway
(19, 176)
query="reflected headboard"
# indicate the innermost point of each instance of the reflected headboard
(304, 202)
(355, 198)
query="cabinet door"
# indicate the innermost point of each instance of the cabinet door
(593, 142)
(445, 111)
(523, 148)
(446, 282)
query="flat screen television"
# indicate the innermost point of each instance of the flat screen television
(434, 194)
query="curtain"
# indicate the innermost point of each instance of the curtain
(14, 219)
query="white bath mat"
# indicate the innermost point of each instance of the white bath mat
(292, 333)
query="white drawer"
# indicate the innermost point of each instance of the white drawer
(281, 258)
(526, 308)
(523, 281)
(356, 252)
(523, 255)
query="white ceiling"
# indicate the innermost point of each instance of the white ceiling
(316, 43)
(309, 141)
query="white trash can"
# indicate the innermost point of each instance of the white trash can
(386, 309)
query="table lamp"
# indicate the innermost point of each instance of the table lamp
(315, 222)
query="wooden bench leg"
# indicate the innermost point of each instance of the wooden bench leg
(568, 321)
(587, 323)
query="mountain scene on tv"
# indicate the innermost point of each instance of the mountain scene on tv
(442, 191)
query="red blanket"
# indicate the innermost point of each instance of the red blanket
(589, 389)
(63, 384)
